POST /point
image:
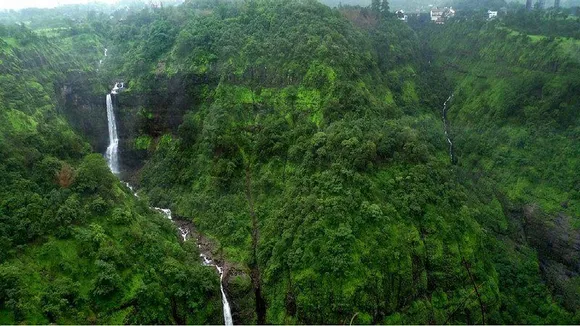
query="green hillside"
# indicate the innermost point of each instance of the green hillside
(75, 245)
(515, 121)
(307, 145)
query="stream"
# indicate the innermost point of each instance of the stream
(112, 156)
(446, 128)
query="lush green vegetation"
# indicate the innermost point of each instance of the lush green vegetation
(307, 144)
(75, 245)
(516, 109)
(515, 121)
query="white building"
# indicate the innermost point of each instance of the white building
(491, 14)
(439, 16)
(401, 15)
(436, 13)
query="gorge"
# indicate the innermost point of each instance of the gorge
(311, 156)
(112, 157)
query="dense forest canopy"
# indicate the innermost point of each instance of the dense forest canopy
(75, 245)
(343, 165)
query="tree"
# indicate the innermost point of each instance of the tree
(65, 176)
(376, 6)
(94, 176)
(107, 280)
(380, 8)
(385, 8)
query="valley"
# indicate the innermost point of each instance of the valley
(284, 162)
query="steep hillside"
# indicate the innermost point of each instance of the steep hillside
(514, 119)
(308, 143)
(76, 246)
(312, 147)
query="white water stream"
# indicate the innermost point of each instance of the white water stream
(446, 125)
(112, 156)
(208, 262)
(226, 305)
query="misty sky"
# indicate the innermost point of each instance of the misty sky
(19, 4)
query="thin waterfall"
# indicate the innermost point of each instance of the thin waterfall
(112, 154)
(226, 305)
(228, 321)
(446, 126)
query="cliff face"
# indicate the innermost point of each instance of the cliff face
(76, 246)
(144, 116)
(87, 114)
(325, 138)
(557, 241)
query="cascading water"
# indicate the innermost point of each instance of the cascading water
(446, 125)
(112, 154)
(226, 305)
(228, 321)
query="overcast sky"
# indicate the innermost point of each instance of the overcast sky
(19, 4)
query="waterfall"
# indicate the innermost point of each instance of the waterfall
(446, 125)
(113, 162)
(226, 305)
(112, 154)
(185, 235)
(228, 321)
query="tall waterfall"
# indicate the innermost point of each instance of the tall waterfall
(112, 154)
(226, 305)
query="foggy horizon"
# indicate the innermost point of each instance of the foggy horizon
(23, 4)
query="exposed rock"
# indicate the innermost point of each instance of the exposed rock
(558, 245)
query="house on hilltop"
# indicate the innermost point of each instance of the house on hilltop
(436, 14)
(439, 16)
